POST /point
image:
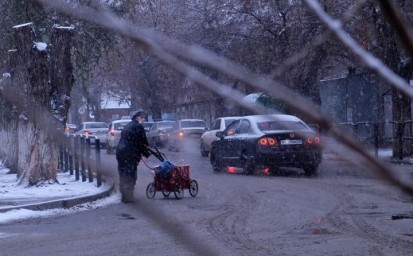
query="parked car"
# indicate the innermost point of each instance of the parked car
(267, 142)
(113, 134)
(209, 136)
(94, 130)
(184, 131)
(70, 128)
(158, 133)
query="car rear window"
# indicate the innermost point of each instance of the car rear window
(166, 125)
(119, 126)
(281, 125)
(186, 124)
(96, 125)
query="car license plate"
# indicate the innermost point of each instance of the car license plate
(291, 142)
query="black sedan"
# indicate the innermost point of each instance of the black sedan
(267, 142)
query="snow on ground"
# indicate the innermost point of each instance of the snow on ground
(68, 187)
(21, 214)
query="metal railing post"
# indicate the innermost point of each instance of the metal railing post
(98, 163)
(66, 153)
(376, 138)
(82, 158)
(77, 157)
(400, 128)
(88, 160)
(71, 140)
(61, 155)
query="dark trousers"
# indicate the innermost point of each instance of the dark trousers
(128, 174)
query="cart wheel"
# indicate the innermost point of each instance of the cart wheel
(178, 191)
(150, 190)
(166, 193)
(193, 188)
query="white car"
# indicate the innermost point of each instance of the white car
(208, 137)
(113, 135)
(93, 131)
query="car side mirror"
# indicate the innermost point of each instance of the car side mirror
(219, 134)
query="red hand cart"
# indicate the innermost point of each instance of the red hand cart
(176, 181)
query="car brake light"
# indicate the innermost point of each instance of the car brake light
(87, 132)
(268, 142)
(315, 140)
(264, 141)
(112, 133)
(181, 134)
(272, 141)
(231, 169)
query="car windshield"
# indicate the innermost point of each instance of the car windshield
(281, 125)
(96, 125)
(185, 124)
(119, 126)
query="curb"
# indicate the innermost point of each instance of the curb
(64, 202)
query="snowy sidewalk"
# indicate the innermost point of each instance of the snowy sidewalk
(66, 193)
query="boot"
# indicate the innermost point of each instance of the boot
(127, 197)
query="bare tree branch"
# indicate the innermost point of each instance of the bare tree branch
(364, 56)
(395, 19)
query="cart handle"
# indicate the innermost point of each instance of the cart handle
(156, 153)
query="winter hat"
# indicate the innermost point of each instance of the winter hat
(138, 112)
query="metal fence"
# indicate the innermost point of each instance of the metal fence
(377, 135)
(76, 158)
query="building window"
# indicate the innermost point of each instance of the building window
(188, 97)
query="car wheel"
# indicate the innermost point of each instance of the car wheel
(248, 164)
(204, 152)
(310, 170)
(214, 162)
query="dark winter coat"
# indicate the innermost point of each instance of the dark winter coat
(133, 142)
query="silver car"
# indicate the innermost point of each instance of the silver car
(113, 135)
(93, 131)
(185, 132)
(158, 133)
(209, 136)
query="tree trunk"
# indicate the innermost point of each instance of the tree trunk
(40, 123)
(61, 71)
(8, 118)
